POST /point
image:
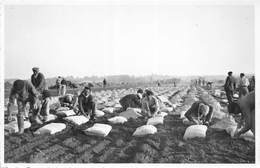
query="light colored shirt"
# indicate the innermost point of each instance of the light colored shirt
(243, 82)
(148, 103)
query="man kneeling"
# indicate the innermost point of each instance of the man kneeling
(200, 113)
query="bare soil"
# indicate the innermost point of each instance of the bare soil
(72, 145)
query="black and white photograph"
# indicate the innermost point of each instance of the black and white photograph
(130, 83)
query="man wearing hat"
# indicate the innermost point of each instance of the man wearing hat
(23, 91)
(150, 104)
(38, 80)
(200, 113)
(230, 86)
(245, 106)
(87, 104)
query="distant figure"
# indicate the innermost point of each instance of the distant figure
(252, 83)
(245, 106)
(63, 86)
(132, 100)
(174, 83)
(23, 91)
(209, 85)
(159, 83)
(203, 81)
(230, 86)
(104, 83)
(243, 85)
(58, 84)
(38, 80)
(200, 113)
(87, 104)
(196, 82)
(199, 81)
(150, 104)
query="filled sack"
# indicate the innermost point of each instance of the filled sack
(99, 113)
(65, 113)
(108, 110)
(167, 109)
(77, 120)
(12, 127)
(248, 136)
(195, 131)
(182, 115)
(51, 128)
(144, 130)
(225, 122)
(62, 109)
(155, 121)
(98, 130)
(117, 120)
(51, 117)
(130, 113)
(161, 114)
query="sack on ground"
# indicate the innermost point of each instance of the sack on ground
(161, 114)
(98, 130)
(248, 136)
(78, 120)
(195, 131)
(117, 120)
(108, 110)
(130, 113)
(144, 130)
(65, 113)
(12, 127)
(99, 113)
(167, 109)
(155, 121)
(51, 128)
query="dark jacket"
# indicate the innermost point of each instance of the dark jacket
(39, 82)
(230, 83)
(85, 103)
(28, 91)
(193, 111)
(131, 100)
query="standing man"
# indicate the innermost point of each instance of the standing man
(243, 85)
(23, 91)
(252, 84)
(104, 83)
(63, 86)
(38, 80)
(58, 84)
(87, 104)
(230, 86)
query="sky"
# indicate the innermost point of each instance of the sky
(128, 39)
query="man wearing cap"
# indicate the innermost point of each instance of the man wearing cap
(87, 105)
(132, 100)
(23, 91)
(230, 86)
(70, 101)
(150, 104)
(243, 85)
(38, 80)
(200, 113)
(245, 106)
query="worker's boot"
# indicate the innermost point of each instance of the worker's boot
(20, 123)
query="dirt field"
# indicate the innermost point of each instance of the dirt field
(72, 145)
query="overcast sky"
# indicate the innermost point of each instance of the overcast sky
(86, 40)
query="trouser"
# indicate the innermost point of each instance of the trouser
(229, 94)
(63, 90)
(243, 91)
(90, 110)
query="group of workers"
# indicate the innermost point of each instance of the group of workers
(39, 97)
